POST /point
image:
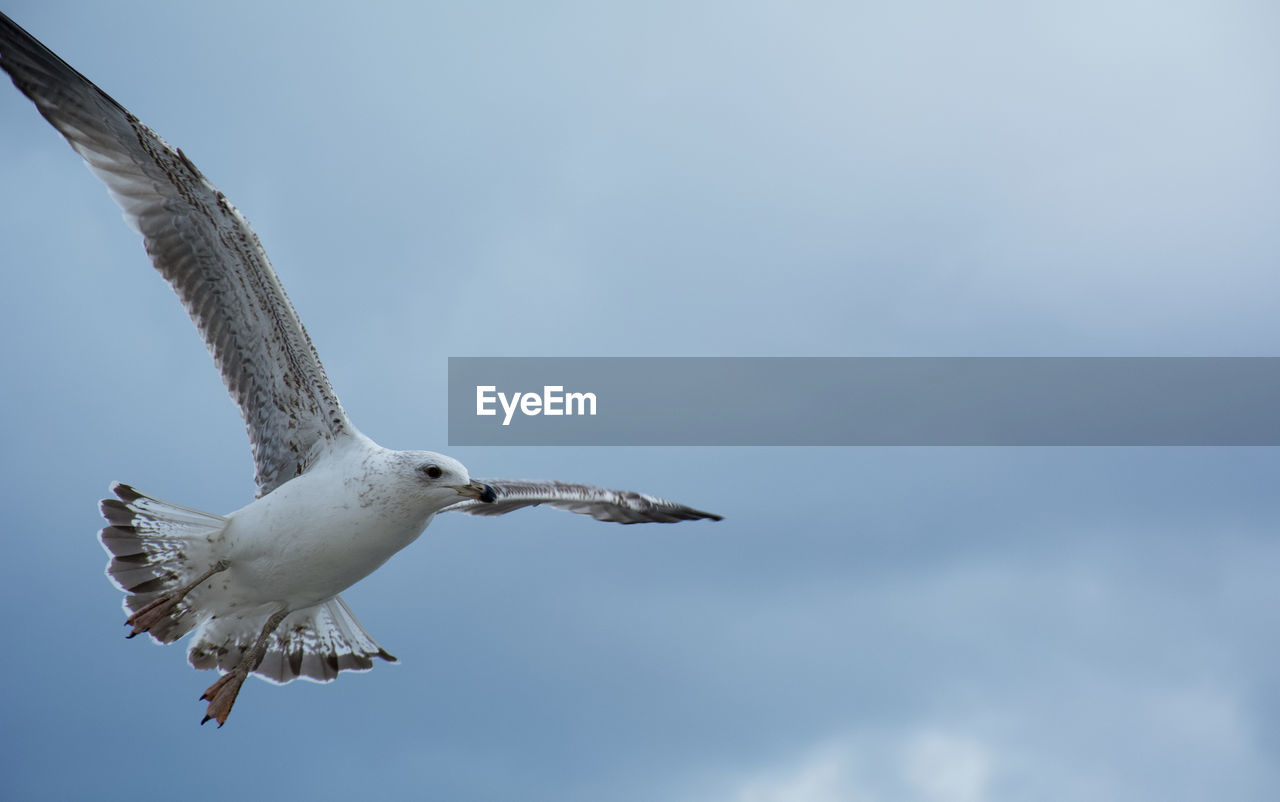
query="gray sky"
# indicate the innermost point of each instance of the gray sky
(666, 179)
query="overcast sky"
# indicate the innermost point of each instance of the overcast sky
(669, 179)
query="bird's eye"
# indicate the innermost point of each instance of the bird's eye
(433, 471)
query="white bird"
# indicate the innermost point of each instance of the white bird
(259, 587)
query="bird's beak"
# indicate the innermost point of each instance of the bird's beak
(476, 490)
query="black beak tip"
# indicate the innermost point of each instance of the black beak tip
(488, 496)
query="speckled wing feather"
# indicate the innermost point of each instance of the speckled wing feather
(207, 252)
(615, 506)
(314, 643)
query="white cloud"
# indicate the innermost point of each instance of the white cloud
(823, 775)
(927, 765)
(947, 768)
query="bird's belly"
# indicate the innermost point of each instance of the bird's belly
(300, 552)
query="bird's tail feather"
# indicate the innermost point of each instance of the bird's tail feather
(315, 643)
(157, 547)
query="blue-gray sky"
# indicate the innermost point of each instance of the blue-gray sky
(665, 179)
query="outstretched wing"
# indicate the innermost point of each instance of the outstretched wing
(206, 251)
(615, 506)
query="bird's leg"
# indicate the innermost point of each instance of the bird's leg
(221, 695)
(160, 608)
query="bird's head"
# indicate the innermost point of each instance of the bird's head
(443, 479)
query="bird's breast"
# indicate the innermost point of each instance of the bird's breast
(314, 536)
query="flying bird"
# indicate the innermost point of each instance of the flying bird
(258, 589)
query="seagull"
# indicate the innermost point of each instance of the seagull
(259, 587)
